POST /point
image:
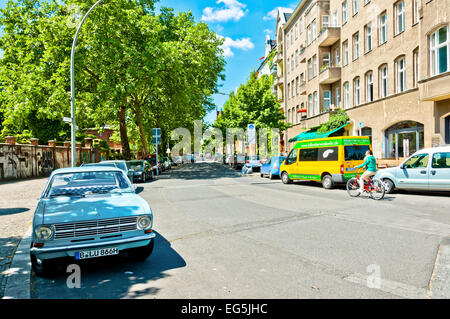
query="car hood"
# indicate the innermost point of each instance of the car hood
(73, 209)
(384, 171)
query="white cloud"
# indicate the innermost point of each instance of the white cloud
(232, 10)
(244, 44)
(272, 15)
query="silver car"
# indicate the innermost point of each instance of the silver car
(427, 169)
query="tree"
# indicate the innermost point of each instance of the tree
(252, 103)
(133, 68)
(337, 119)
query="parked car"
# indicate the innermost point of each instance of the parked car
(427, 169)
(271, 167)
(89, 212)
(254, 162)
(142, 170)
(123, 166)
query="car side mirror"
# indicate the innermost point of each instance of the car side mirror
(402, 166)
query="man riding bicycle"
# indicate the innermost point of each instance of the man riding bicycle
(371, 163)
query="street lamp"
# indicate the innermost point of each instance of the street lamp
(72, 82)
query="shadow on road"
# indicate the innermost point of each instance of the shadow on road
(112, 277)
(202, 171)
(12, 211)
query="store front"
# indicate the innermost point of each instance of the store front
(403, 139)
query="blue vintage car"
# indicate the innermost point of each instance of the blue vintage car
(89, 212)
(271, 167)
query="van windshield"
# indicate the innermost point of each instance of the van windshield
(356, 152)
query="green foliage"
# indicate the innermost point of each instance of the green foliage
(336, 120)
(252, 103)
(160, 69)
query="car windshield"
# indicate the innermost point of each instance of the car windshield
(88, 183)
(253, 158)
(136, 165)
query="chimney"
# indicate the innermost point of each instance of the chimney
(11, 140)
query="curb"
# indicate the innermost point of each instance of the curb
(439, 287)
(18, 280)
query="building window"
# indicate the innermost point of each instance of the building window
(368, 32)
(326, 61)
(310, 105)
(292, 62)
(325, 21)
(416, 67)
(288, 64)
(400, 17)
(439, 51)
(289, 90)
(357, 91)
(301, 25)
(314, 29)
(296, 85)
(356, 46)
(310, 71)
(384, 81)
(383, 28)
(401, 75)
(346, 95)
(316, 103)
(327, 100)
(289, 116)
(293, 88)
(337, 57)
(355, 6)
(287, 41)
(345, 52)
(308, 35)
(415, 11)
(335, 19)
(338, 97)
(369, 87)
(344, 12)
(296, 31)
(315, 66)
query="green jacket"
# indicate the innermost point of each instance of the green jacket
(371, 164)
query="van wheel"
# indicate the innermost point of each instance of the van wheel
(270, 175)
(327, 182)
(285, 178)
(389, 186)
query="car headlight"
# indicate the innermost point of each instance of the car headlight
(144, 222)
(44, 232)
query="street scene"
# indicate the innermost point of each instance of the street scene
(224, 235)
(224, 149)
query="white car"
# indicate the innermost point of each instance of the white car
(427, 169)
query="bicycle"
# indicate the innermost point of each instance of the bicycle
(375, 187)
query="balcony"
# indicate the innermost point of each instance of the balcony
(278, 80)
(329, 36)
(278, 57)
(302, 87)
(329, 75)
(435, 88)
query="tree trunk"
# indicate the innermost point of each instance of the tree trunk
(142, 134)
(124, 134)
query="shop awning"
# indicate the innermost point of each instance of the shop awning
(308, 135)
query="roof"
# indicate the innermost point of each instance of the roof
(284, 14)
(308, 135)
(85, 169)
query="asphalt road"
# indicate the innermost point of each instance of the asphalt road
(223, 235)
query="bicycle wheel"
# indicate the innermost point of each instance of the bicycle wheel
(353, 187)
(377, 190)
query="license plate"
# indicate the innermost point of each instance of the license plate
(96, 253)
(351, 169)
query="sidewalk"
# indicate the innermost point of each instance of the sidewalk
(18, 199)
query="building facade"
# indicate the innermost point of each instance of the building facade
(386, 62)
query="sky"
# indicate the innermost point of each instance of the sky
(244, 25)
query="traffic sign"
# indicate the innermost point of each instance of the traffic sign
(360, 124)
(156, 136)
(67, 119)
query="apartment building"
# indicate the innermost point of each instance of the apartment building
(386, 62)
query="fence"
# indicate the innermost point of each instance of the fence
(33, 160)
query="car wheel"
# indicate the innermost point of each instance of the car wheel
(144, 179)
(151, 175)
(42, 268)
(262, 175)
(141, 253)
(285, 178)
(271, 175)
(327, 182)
(389, 186)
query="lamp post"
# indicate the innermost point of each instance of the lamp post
(72, 83)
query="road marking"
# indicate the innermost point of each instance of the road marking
(389, 286)
(19, 278)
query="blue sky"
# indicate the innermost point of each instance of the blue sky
(243, 23)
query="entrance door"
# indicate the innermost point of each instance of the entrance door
(447, 130)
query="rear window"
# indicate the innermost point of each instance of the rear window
(356, 152)
(441, 160)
